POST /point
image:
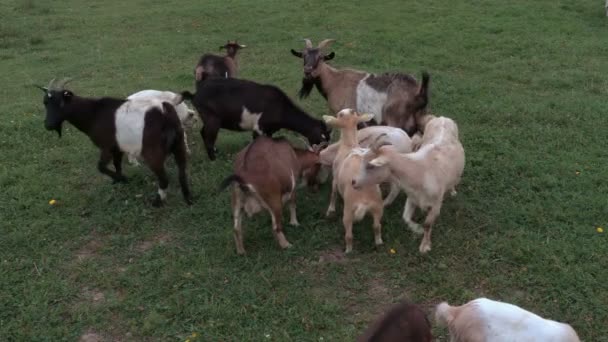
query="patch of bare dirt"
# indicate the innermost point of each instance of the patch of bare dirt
(157, 240)
(334, 255)
(91, 248)
(92, 296)
(91, 336)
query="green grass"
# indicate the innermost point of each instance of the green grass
(527, 82)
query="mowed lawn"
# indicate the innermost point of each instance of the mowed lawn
(527, 82)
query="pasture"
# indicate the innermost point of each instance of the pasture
(527, 82)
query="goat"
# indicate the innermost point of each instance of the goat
(241, 105)
(483, 319)
(393, 98)
(395, 136)
(357, 202)
(403, 322)
(265, 175)
(148, 127)
(424, 175)
(211, 65)
(186, 115)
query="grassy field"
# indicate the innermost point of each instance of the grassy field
(527, 82)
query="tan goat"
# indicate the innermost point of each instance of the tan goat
(366, 136)
(425, 175)
(357, 202)
(265, 175)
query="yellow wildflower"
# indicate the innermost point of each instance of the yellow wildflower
(600, 229)
(52, 202)
(393, 251)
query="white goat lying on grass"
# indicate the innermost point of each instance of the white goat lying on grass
(485, 320)
(425, 175)
(366, 136)
(186, 115)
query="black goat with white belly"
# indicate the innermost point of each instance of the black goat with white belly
(241, 105)
(147, 128)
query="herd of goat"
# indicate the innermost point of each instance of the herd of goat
(386, 136)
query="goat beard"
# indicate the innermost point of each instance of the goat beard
(307, 84)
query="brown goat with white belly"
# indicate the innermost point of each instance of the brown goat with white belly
(265, 176)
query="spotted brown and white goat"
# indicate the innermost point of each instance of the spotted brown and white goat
(186, 115)
(357, 201)
(265, 176)
(148, 128)
(484, 320)
(393, 98)
(211, 65)
(242, 105)
(403, 322)
(425, 175)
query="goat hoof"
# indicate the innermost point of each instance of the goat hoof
(120, 179)
(330, 213)
(189, 200)
(157, 202)
(425, 248)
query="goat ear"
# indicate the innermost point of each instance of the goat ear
(296, 53)
(380, 161)
(67, 95)
(44, 89)
(365, 117)
(329, 57)
(328, 119)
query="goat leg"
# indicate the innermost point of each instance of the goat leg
(347, 221)
(157, 166)
(179, 153)
(237, 206)
(102, 166)
(392, 195)
(332, 199)
(275, 209)
(117, 160)
(425, 245)
(293, 219)
(209, 134)
(377, 211)
(408, 212)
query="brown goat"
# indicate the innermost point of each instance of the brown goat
(404, 322)
(211, 65)
(265, 175)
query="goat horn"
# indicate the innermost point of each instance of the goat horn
(308, 43)
(50, 86)
(324, 43)
(63, 82)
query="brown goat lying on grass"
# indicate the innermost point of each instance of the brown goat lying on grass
(404, 322)
(265, 176)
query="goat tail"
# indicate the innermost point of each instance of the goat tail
(172, 127)
(443, 314)
(186, 95)
(233, 178)
(422, 97)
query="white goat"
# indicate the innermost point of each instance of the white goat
(186, 115)
(366, 136)
(357, 202)
(485, 320)
(425, 175)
